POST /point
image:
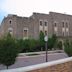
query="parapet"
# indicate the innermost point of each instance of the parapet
(11, 15)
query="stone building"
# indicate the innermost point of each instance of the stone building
(30, 27)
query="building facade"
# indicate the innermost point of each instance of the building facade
(30, 27)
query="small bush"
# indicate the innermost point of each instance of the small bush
(59, 45)
(68, 47)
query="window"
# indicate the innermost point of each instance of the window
(62, 24)
(66, 24)
(55, 24)
(45, 23)
(10, 22)
(41, 31)
(55, 27)
(25, 32)
(40, 23)
(45, 32)
(67, 33)
(63, 33)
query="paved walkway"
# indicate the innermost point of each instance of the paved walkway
(23, 61)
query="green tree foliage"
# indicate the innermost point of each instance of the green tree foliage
(41, 39)
(26, 45)
(59, 45)
(68, 47)
(52, 42)
(32, 45)
(20, 45)
(8, 50)
(54, 38)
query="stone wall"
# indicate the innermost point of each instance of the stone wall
(55, 22)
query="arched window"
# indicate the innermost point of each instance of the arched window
(10, 21)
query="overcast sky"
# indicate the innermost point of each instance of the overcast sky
(27, 7)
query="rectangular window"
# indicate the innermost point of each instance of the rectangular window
(45, 23)
(40, 23)
(55, 24)
(41, 31)
(66, 24)
(45, 32)
(67, 33)
(25, 33)
(62, 24)
(63, 33)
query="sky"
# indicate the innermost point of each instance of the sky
(27, 7)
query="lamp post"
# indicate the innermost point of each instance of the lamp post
(46, 39)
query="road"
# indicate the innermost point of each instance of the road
(23, 61)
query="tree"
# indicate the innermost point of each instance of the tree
(20, 45)
(8, 50)
(32, 45)
(37, 46)
(41, 39)
(68, 47)
(26, 45)
(59, 45)
(54, 39)
(52, 42)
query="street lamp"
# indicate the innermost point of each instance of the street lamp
(46, 39)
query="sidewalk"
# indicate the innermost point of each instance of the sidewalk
(41, 52)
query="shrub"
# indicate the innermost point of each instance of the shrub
(59, 45)
(8, 51)
(68, 47)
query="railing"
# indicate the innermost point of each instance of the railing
(62, 65)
